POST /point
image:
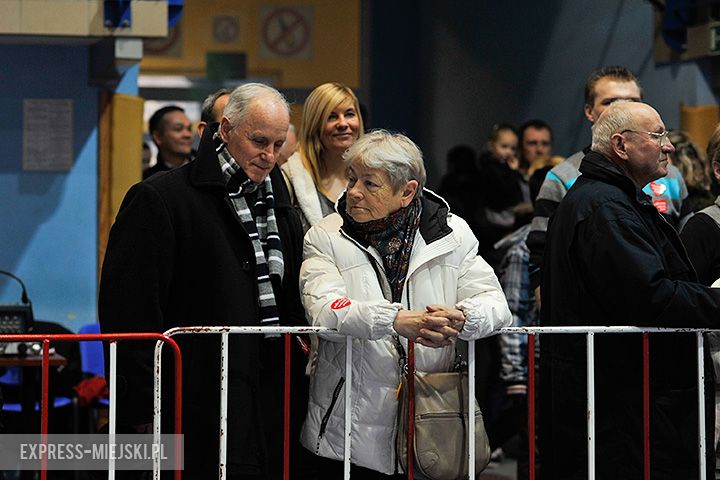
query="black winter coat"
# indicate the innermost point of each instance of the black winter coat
(611, 259)
(179, 256)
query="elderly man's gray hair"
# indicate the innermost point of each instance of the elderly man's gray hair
(393, 152)
(241, 98)
(614, 119)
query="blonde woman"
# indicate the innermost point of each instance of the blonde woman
(315, 174)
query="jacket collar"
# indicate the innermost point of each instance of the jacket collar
(433, 218)
(599, 167)
(205, 170)
(303, 186)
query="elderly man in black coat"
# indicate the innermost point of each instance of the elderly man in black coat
(613, 260)
(214, 242)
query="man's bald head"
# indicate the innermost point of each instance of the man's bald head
(633, 136)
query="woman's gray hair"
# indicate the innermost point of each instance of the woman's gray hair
(393, 152)
(613, 120)
(241, 98)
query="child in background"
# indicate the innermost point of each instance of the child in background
(502, 146)
(501, 189)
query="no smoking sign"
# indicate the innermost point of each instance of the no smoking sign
(286, 32)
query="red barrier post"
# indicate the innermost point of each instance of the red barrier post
(411, 411)
(531, 405)
(76, 337)
(646, 406)
(286, 413)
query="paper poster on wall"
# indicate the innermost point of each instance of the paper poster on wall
(47, 134)
(286, 32)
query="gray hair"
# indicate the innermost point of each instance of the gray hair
(207, 112)
(241, 98)
(393, 152)
(613, 120)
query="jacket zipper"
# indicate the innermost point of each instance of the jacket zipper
(326, 417)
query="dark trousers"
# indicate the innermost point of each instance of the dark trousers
(333, 470)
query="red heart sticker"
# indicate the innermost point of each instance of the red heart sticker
(340, 303)
(657, 188)
(661, 205)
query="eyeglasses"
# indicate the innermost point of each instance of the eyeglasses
(660, 136)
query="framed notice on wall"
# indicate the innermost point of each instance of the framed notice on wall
(47, 134)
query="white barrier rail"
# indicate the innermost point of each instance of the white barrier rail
(531, 331)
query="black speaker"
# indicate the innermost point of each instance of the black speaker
(16, 319)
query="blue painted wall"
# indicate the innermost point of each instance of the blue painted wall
(48, 220)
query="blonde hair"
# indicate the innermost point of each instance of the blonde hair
(689, 160)
(316, 111)
(713, 148)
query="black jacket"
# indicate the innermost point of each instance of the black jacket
(612, 259)
(179, 256)
(701, 236)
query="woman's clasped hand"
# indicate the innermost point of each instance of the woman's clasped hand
(436, 326)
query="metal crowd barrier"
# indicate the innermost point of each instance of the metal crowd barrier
(113, 338)
(225, 332)
(590, 336)
(530, 331)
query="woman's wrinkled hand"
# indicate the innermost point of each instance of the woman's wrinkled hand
(429, 328)
(455, 317)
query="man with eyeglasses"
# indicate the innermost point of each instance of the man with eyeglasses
(604, 87)
(611, 259)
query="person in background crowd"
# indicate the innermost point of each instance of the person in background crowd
(536, 139)
(171, 131)
(212, 109)
(507, 416)
(541, 164)
(612, 260)
(695, 171)
(459, 185)
(316, 173)
(701, 237)
(701, 233)
(214, 242)
(289, 147)
(500, 189)
(603, 87)
(392, 266)
(146, 156)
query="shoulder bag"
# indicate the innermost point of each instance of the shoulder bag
(441, 425)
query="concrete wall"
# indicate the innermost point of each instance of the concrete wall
(478, 63)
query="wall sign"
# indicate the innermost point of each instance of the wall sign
(226, 29)
(286, 32)
(47, 134)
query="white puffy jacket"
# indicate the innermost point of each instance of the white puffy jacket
(444, 269)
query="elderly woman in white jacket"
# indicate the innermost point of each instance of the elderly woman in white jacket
(393, 262)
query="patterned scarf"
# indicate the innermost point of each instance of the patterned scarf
(393, 238)
(262, 230)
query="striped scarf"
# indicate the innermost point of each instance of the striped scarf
(262, 230)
